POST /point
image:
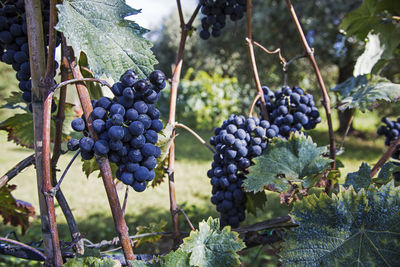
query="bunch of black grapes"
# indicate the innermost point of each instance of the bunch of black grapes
(240, 139)
(290, 110)
(236, 142)
(215, 13)
(14, 48)
(391, 131)
(128, 128)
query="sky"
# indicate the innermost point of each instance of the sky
(153, 11)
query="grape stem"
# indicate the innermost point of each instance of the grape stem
(103, 163)
(276, 51)
(249, 40)
(187, 219)
(325, 96)
(385, 157)
(64, 83)
(26, 162)
(185, 29)
(347, 130)
(25, 246)
(41, 121)
(198, 137)
(254, 104)
(125, 200)
(55, 189)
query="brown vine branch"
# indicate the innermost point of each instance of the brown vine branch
(64, 83)
(49, 77)
(25, 246)
(325, 96)
(26, 162)
(249, 40)
(103, 163)
(198, 137)
(57, 151)
(40, 115)
(385, 157)
(185, 28)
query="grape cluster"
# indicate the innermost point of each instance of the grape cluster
(128, 128)
(236, 142)
(215, 13)
(14, 48)
(391, 131)
(290, 110)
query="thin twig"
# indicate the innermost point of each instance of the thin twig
(347, 131)
(49, 77)
(185, 28)
(102, 82)
(125, 199)
(325, 96)
(249, 40)
(198, 137)
(181, 18)
(14, 242)
(187, 219)
(294, 59)
(276, 51)
(26, 162)
(254, 104)
(54, 190)
(385, 157)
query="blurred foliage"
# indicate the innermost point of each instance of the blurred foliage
(204, 100)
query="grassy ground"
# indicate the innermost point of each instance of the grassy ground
(89, 203)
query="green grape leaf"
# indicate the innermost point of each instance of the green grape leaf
(165, 139)
(297, 159)
(13, 211)
(360, 93)
(255, 201)
(138, 263)
(161, 174)
(359, 179)
(94, 89)
(20, 129)
(92, 262)
(151, 228)
(211, 247)
(371, 55)
(112, 43)
(177, 258)
(347, 229)
(90, 166)
(386, 173)
(14, 101)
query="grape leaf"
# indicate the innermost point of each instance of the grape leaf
(111, 43)
(151, 228)
(297, 159)
(161, 174)
(177, 258)
(347, 229)
(90, 166)
(13, 211)
(360, 93)
(94, 89)
(386, 173)
(255, 201)
(359, 179)
(14, 101)
(209, 246)
(139, 263)
(91, 261)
